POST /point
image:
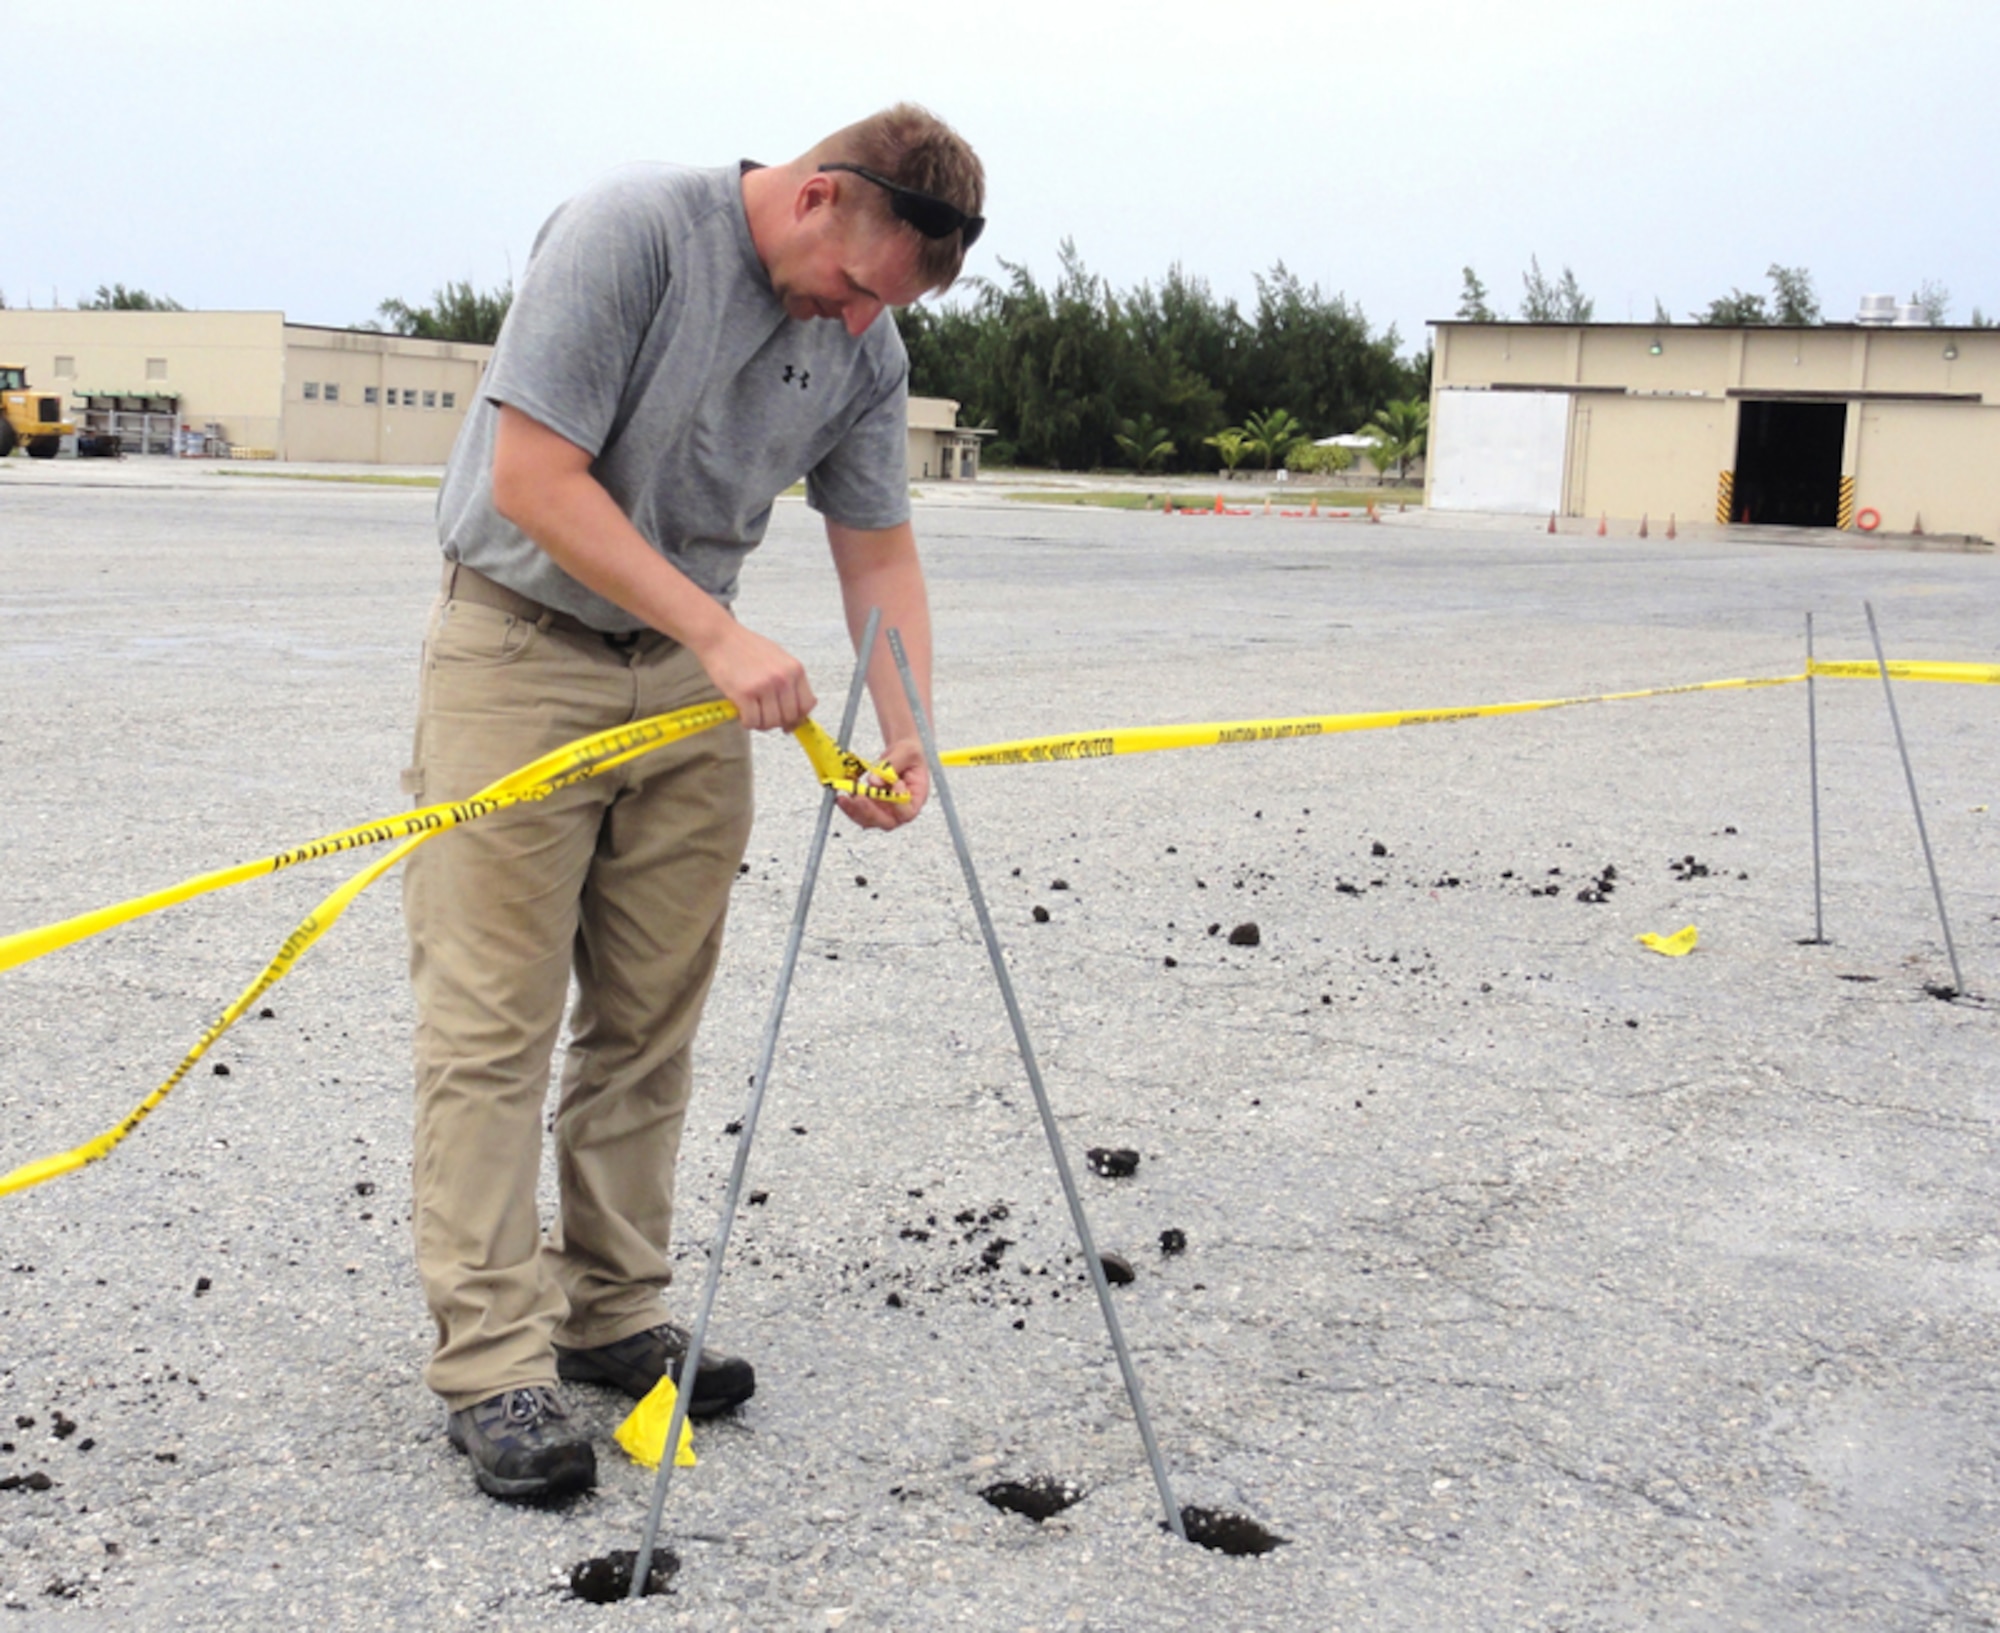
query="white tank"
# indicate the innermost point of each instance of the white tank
(1879, 309)
(1912, 316)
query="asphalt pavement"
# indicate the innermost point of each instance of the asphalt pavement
(1531, 1279)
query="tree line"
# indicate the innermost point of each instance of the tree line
(117, 298)
(1793, 301)
(1076, 375)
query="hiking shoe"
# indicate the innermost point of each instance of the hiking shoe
(522, 1446)
(635, 1364)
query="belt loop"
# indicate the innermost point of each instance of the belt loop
(547, 618)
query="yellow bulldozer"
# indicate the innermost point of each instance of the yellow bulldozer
(34, 419)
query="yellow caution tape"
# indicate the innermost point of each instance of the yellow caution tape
(643, 1434)
(572, 763)
(1964, 674)
(562, 768)
(847, 773)
(836, 768)
(1677, 945)
(1097, 745)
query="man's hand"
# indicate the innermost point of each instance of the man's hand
(914, 775)
(765, 682)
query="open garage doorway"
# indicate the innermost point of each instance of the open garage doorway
(1788, 463)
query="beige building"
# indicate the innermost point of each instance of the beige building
(939, 449)
(250, 382)
(1845, 425)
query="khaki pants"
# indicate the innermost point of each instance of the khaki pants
(626, 878)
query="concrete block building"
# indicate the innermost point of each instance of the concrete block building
(265, 386)
(940, 450)
(1841, 425)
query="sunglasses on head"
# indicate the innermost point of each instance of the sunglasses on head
(931, 216)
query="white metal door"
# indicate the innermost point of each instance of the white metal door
(1499, 450)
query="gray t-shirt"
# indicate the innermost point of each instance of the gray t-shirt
(645, 331)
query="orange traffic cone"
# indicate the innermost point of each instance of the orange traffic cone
(1314, 511)
(1642, 525)
(1603, 520)
(1745, 517)
(1670, 526)
(1267, 504)
(1917, 527)
(1371, 514)
(1552, 521)
(1218, 504)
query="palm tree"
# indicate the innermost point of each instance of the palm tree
(1144, 443)
(1231, 445)
(1274, 434)
(1397, 433)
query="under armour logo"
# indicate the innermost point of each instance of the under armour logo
(803, 376)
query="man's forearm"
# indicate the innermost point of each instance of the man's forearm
(544, 485)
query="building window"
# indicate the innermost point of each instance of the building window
(65, 368)
(312, 390)
(409, 398)
(451, 399)
(430, 399)
(333, 391)
(156, 368)
(371, 395)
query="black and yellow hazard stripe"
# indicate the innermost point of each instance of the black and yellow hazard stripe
(1725, 496)
(1846, 517)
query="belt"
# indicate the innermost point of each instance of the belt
(463, 583)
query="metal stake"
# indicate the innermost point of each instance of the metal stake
(1812, 740)
(1020, 1026)
(1916, 805)
(690, 1366)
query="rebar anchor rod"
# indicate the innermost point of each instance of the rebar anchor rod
(643, 1564)
(1020, 1026)
(1812, 748)
(1916, 805)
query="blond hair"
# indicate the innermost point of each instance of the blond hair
(915, 149)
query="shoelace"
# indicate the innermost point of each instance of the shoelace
(525, 1408)
(674, 1339)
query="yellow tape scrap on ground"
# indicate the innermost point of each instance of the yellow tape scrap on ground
(591, 756)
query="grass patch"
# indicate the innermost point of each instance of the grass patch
(384, 481)
(1345, 498)
(1100, 501)
(1281, 499)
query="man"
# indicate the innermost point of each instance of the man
(684, 345)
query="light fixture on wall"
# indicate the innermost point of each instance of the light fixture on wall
(1656, 348)
(1951, 351)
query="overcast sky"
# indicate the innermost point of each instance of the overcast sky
(315, 158)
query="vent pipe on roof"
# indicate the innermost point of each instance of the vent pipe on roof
(1877, 310)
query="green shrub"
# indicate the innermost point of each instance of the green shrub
(1311, 460)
